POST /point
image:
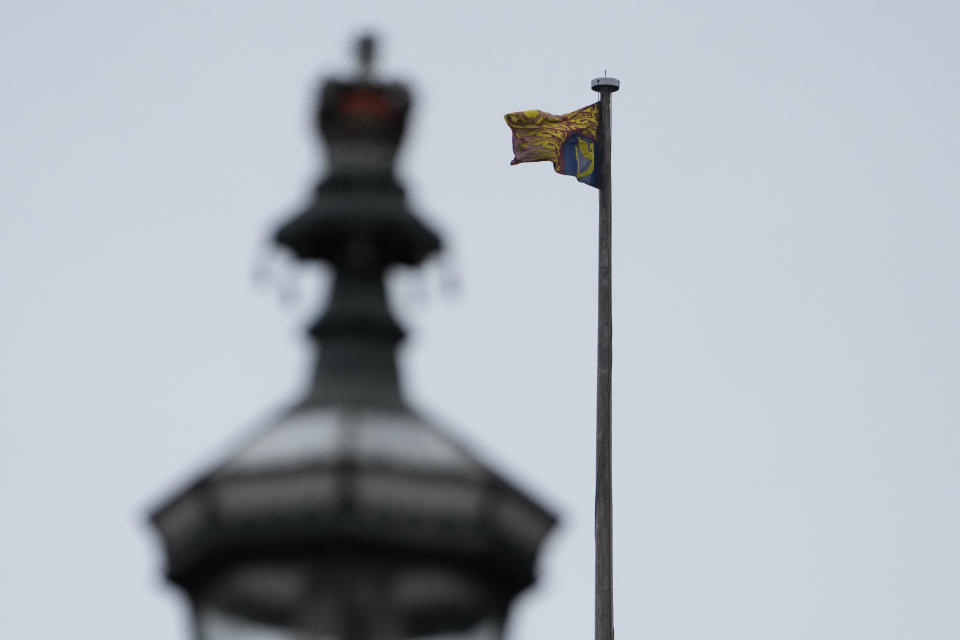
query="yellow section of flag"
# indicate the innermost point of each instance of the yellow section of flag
(567, 140)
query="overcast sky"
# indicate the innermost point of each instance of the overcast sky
(786, 269)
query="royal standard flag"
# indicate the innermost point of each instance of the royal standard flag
(568, 141)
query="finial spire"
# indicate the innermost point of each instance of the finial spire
(366, 52)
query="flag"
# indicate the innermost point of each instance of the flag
(568, 141)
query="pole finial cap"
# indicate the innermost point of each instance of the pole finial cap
(605, 84)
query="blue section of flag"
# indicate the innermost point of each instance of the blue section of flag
(578, 158)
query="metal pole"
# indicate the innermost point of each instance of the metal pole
(603, 514)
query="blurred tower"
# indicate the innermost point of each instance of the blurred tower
(352, 517)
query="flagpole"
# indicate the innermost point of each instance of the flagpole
(603, 506)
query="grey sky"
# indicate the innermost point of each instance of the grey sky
(786, 268)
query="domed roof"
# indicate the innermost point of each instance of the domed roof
(326, 476)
